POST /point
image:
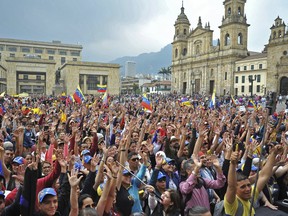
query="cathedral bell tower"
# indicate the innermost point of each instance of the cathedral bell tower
(182, 26)
(234, 28)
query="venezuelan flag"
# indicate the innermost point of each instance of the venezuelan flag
(213, 99)
(101, 88)
(105, 99)
(185, 102)
(69, 100)
(251, 106)
(146, 104)
(63, 96)
(78, 95)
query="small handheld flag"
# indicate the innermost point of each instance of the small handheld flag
(78, 95)
(101, 88)
(146, 104)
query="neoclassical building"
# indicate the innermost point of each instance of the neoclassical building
(31, 67)
(199, 65)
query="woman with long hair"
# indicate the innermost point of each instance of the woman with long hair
(169, 205)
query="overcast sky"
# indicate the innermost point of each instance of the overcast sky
(108, 29)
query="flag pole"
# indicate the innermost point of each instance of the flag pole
(159, 197)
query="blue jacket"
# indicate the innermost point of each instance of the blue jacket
(134, 189)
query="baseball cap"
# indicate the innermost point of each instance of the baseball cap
(44, 192)
(160, 176)
(87, 159)
(78, 165)
(8, 145)
(100, 189)
(127, 171)
(19, 160)
(169, 160)
(254, 168)
(85, 138)
(173, 138)
(2, 194)
(100, 136)
(85, 151)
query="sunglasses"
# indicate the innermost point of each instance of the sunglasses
(135, 159)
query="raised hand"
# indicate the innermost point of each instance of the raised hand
(73, 179)
(235, 157)
(196, 161)
(159, 160)
(94, 161)
(115, 168)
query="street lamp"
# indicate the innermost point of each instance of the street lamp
(251, 80)
(192, 86)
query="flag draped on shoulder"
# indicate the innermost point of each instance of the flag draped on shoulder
(78, 95)
(101, 88)
(146, 104)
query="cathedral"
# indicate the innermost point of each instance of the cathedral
(227, 66)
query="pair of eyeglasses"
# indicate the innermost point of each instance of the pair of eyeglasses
(135, 159)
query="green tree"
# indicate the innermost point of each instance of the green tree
(162, 71)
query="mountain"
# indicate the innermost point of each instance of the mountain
(148, 63)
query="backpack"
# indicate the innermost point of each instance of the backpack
(220, 211)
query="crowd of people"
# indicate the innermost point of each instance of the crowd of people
(118, 158)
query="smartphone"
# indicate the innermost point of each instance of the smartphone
(46, 127)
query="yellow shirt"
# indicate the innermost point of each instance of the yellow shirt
(231, 209)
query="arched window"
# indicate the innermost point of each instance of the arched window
(177, 32)
(240, 39)
(184, 52)
(227, 39)
(197, 49)
(176, 53)
(184, 31)
(279, 34)
(239, 10)
(274, 35)
(229, 11)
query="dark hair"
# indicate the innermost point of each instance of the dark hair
(197, 211)
(131, 154)
(187, 164)
(240, 176)
(175, 198)
(81, 198)
(88, 212)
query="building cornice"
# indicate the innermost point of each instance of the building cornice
(56, 44)
(90, 64)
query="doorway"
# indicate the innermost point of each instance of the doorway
(284, 86)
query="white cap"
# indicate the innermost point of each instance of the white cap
(100, 136)
(173, 138)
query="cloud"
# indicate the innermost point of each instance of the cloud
(108, 29)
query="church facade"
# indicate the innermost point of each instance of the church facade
(200, 66)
